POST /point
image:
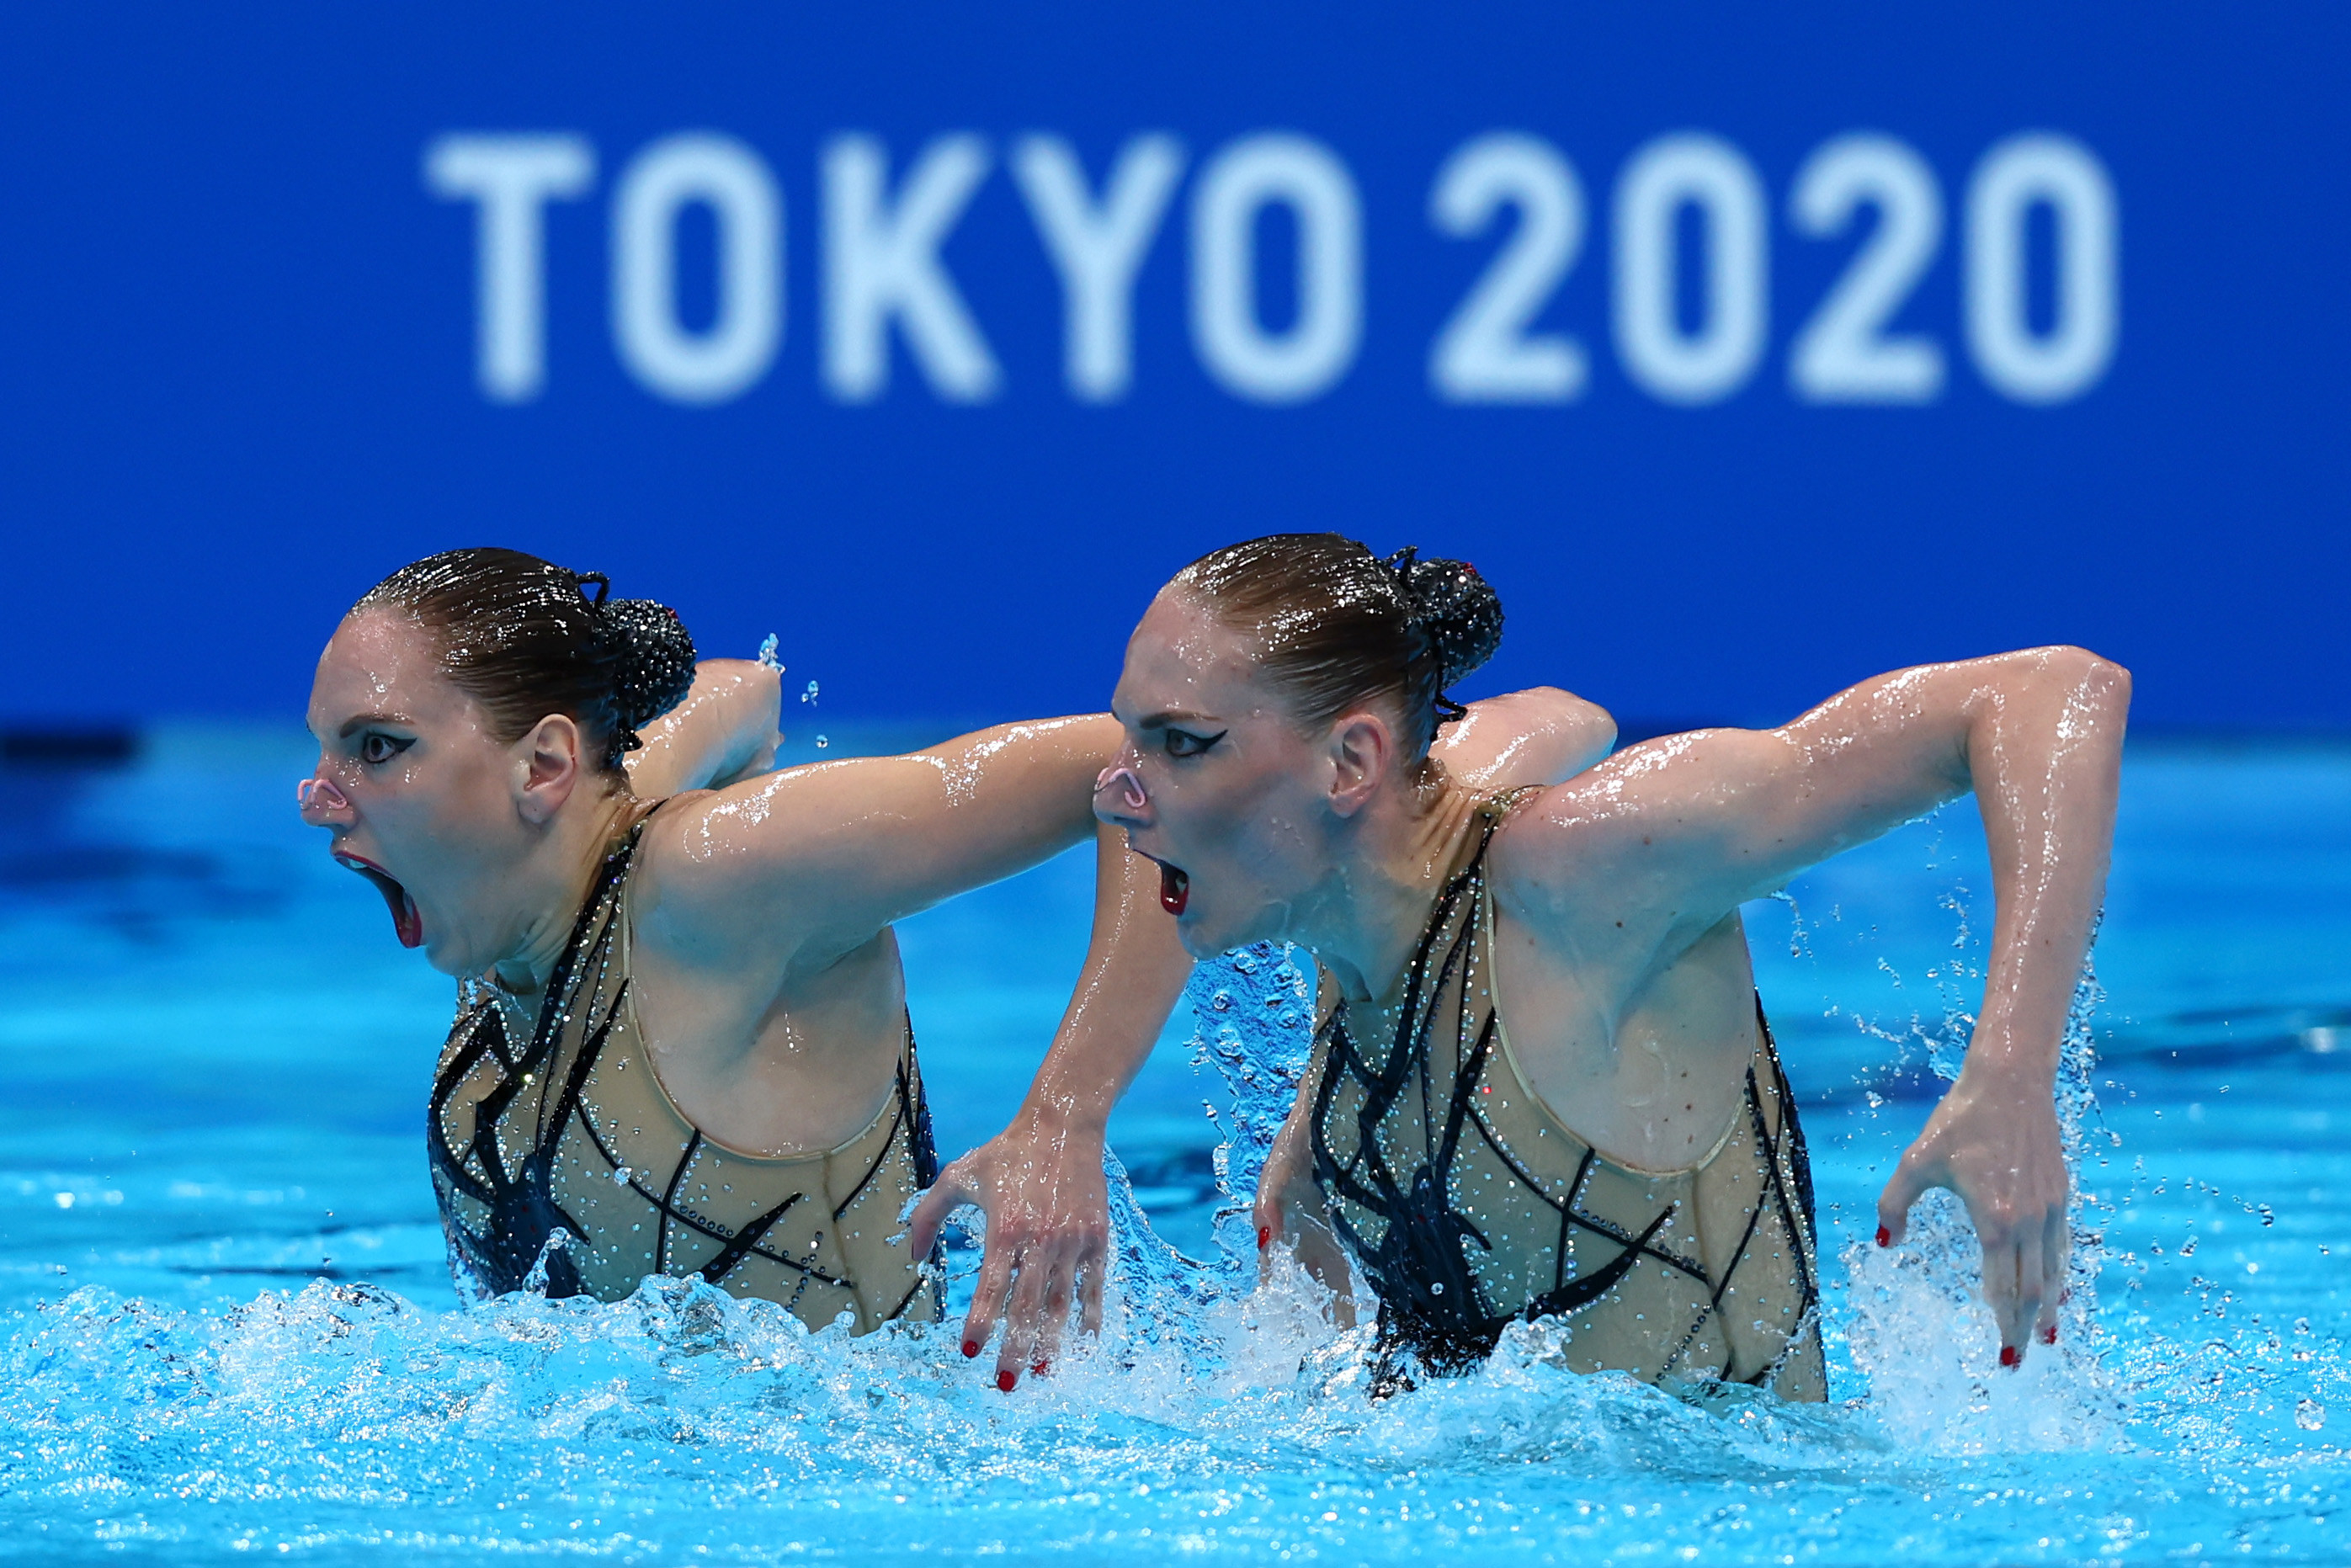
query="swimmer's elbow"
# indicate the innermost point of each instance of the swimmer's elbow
(1591, 728)
(2089, 678)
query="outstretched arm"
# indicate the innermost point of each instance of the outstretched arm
(1694, 825)
(796, 868)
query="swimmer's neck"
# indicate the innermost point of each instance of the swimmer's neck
(556, 878)
(1367, 919)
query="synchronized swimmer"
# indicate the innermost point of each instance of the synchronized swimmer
(1542, 1084)
(682, 1037)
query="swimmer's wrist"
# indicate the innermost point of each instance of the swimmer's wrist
(1998, 1058)
(1085, 1114)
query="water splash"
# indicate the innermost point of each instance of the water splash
(1213, 1415)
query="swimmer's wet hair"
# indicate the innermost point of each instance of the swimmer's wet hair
(1338, 627)
(523, 638)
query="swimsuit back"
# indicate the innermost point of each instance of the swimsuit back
(557, 1121)
(1468, 1204)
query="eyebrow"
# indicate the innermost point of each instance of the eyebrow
(1173, 716)
(362, 721)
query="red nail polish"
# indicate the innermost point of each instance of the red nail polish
(1005, 1380)
(2049, 1335)
(2009, 1355)
(1884, 1236)
(1041, 1368)
(1264, 1237)
(970, 1348)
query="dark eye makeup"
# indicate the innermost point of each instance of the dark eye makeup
(1184, 743)
(377, 746)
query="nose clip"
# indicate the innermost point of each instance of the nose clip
(318, 794)
(1130, 787)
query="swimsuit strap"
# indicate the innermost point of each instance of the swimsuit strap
(1404, 1141)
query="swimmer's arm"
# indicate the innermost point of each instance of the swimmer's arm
(806, 865)
(724, 731)
(1290, 1206)
(1040, 1181)
(1539, 736)
(1680, 831)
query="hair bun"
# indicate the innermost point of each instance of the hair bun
(652, 661)
(1456, 610)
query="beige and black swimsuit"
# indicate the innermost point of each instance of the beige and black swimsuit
(1468, 1205)
(573, 1131)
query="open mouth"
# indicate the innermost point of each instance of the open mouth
(1175, 889)
(406, 922)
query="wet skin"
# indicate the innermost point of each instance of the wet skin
(767, 976)
(1619, 962)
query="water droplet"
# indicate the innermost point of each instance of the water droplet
(2310, 1415)
(822, 742)
(808, 696)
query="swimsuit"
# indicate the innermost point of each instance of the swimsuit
(574, 1131)
(1468, 1205)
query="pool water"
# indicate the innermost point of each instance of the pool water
(226, 1328)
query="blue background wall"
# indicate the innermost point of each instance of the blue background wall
(238, 377)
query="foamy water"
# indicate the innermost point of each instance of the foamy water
(224, 1329)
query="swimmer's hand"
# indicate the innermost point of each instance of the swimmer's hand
(1040, 1182)
(1291, 1209)
(1997, 1147)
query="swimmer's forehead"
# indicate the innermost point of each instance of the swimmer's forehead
(377, 671)
(1182, 666)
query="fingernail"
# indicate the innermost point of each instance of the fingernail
(1264, 1237)
(1041, 1368)
(1884, 1236)
(2049, 1335)
(970, 1348)
(1005, 1380)
(2009, 1355)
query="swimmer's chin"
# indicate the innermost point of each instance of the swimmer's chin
(1202, 940)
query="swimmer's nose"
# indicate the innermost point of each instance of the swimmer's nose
(321, 803)
(1120, 797)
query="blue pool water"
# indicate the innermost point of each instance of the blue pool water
(225, 1329)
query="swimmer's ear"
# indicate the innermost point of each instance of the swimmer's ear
(1362, 747)
(550, 755)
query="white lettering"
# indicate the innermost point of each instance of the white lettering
(1485, 353)
(510, 178)
(1709, 174)
(2015, 176)
(1098, 249)
(1844, 354)
(735, 351)
(1245, 178)
(881, 264)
